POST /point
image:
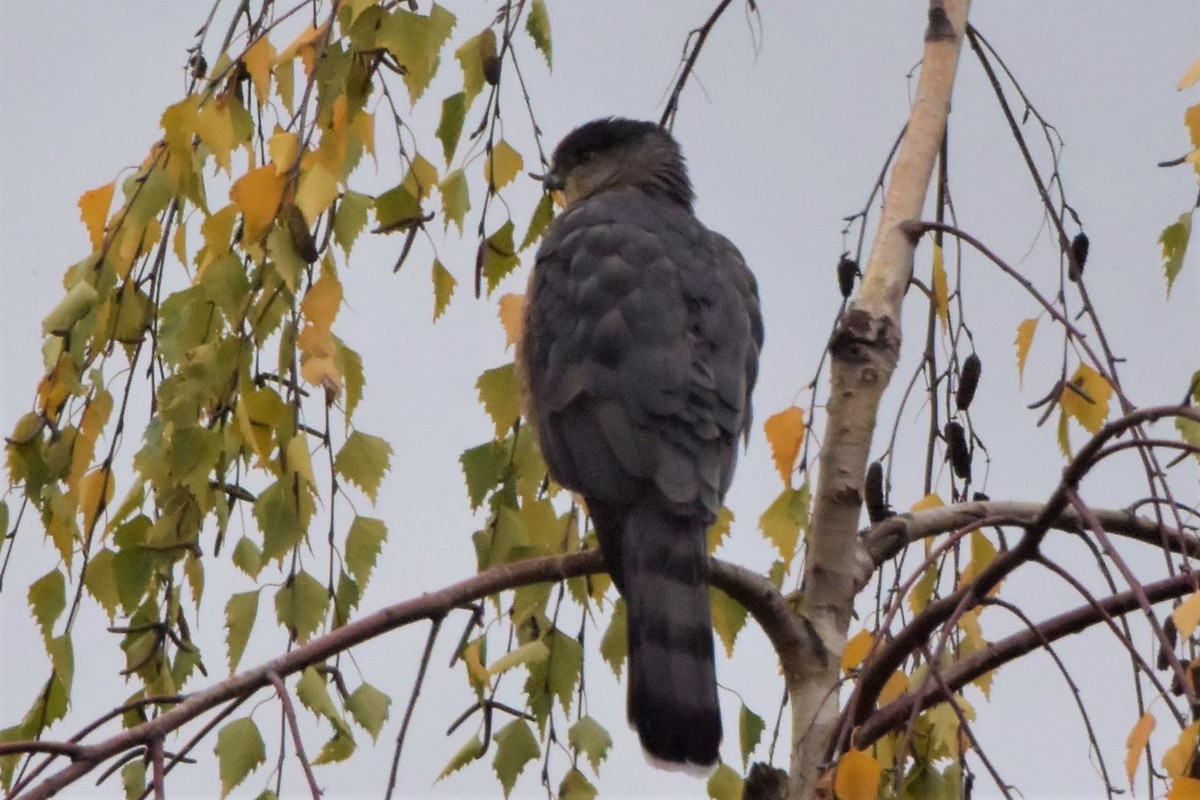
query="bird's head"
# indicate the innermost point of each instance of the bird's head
(613, 153)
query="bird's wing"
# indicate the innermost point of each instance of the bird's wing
(641, 342)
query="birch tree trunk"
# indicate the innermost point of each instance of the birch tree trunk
(864, 351)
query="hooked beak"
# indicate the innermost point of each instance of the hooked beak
(553, 182)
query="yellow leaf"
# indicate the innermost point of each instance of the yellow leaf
(857, 776)
(1178, 758)
(1092, 410)
(475, 668)
(257, 194)
(179, 242)
(363, 124)
(217, 232)
(856, 649)
(93, 210)
(322, 301)
(895, 687)
(941, 292)
(983, 552)
(1191, 118)
(421, 178)
(1184, 788)
(257, 60)
(785, 433)
(1187, 615)
(927, 502)
(1024, 341)
(299, 460)
(502, 166)
(512, 317)
(1136, 743)
(214, 124)
(283, 146)
(317, 191)
(443, 288)
(1191, 76)
(95, 493)
(304, 45)
(333, 145)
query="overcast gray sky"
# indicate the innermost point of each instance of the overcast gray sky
(785, 128)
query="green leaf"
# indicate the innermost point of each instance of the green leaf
(369, 707)
(543, 214)
(537, 24)
(450, 124)
(248, 557)
(456, 198)
(469, 752)
(725, 784)
(502, 166)
(351, 218)
(363, 460)
(363, 543)
(240, 613)
(226, 284)
(48, 599)
(614, 645)
(134, 311)
(133, 563)
(81, 298)
(499, 256)
(349, 363)
(100, 583)
(532, 652)
(416, 42)
(240, 750)
(783, 520)
(470, 59)
(345, 599)
(590, 738)
(312, 691)
(719, 530)
(500, 397)
(750, 731)
(575, 786)
(62, 659)
(728, 617)
(282, 514)
(300, 605)
(483, 467)
(443, 288)
(133, 778)
(1174, 241)
(516, 746)
(397, 209)
(566, 667)
(1189, 431)
(339, 748)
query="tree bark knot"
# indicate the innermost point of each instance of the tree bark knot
(866, 341)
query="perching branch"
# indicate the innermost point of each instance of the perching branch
(752, 590)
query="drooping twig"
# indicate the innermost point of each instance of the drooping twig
(412, 704)
(289, 712)
(696, 39)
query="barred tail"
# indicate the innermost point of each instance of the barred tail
(672, 677)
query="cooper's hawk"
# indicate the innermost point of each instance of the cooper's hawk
(641, 340)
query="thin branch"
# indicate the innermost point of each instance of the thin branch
(1012, 647)
(288, 711)
(412, 704)
(696, 38)
(750, 589)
